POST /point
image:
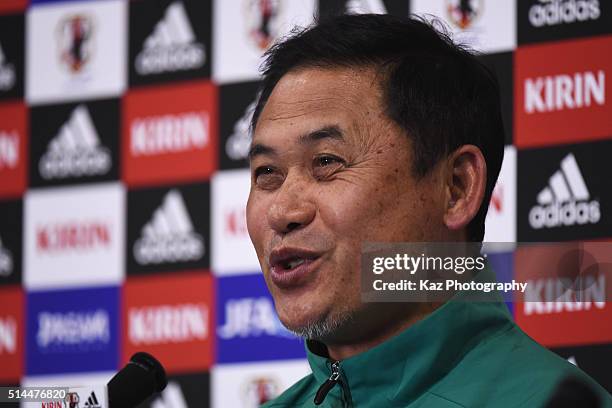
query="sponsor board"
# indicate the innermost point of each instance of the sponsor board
(11, 333)
(557, 309)
(70, 331)
(562, 193)
(170, 142)
(169, 40)
(236, 105)
(250, 385)
(75, 50)
(11, 235)
(328, 8)
(13, 149)
(502, 66)
(168, 229)
(560, 98)
(500, 224)
(74, 236)
(182, 391)
(551, 20)
(244, 29)
(485, 25)
(171, 317)
(230, 191)
(74, 143)
(11, 56)
(248, 328)
(595, 360)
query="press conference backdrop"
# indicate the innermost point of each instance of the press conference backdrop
(123, 134)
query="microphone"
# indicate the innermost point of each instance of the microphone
(142, 376)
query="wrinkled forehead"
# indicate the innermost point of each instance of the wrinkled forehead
(310, 97)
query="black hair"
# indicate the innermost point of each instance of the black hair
(437, 91)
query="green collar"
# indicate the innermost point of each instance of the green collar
(407, 365)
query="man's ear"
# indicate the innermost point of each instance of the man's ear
(465, 186)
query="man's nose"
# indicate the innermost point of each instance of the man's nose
(292, 209)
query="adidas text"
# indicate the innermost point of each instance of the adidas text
(566, 214)
(172, 248)
(180, 58)
(77, 163)
(550, 13)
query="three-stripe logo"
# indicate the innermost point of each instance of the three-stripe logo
(75, 151)
(169, 236)
(92, 401)
(172, 45)
(565, 201)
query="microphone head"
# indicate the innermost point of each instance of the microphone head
(142, 376)
(150, 363)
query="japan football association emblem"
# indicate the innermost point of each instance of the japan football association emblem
(75, 42)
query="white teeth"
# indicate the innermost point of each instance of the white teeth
(295, 263)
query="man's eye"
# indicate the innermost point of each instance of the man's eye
(263, 170)
(323, 161)
(326, 165)
(267, 177)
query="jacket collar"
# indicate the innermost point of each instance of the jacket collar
(405, 366)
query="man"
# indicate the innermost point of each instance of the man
(376, 129)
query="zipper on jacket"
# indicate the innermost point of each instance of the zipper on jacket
(327, 386)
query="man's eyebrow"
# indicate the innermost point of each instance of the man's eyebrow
(259, 149)
(328, 132)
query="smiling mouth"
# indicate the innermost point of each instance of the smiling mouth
(291, 268)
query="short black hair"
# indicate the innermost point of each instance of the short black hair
(437, 91)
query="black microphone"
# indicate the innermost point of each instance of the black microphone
(142, 376)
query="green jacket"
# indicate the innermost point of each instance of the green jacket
(462, 355)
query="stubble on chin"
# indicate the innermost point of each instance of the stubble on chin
(324, 329)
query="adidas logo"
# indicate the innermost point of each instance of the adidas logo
(565, 201)
(6, 261)
(172, 397)
(169, 236)
(7, 73)
(172, 46)
(76, 150)
(92, 401)
(556, 12)
(238, 144)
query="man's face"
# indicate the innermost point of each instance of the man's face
(329, 172)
